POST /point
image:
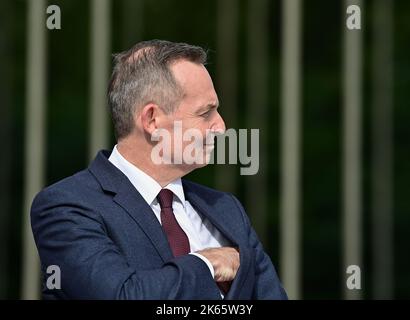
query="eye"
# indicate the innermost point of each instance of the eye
(206, 114)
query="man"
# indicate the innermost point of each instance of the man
(129, 227)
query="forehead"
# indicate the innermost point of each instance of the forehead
(194, 80)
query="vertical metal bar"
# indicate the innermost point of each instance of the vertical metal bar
(34, 139)
(290, 148)
(382, 127)
(257, 106)
(227, 50)
(352, 157)
(100, 57)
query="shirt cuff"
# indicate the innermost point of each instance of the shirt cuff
(208, 263)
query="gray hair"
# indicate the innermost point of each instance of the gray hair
(141, 75)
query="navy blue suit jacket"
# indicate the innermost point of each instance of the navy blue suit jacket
(108, 243)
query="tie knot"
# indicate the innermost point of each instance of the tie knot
(165, 197)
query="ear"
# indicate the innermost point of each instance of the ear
(149, 117)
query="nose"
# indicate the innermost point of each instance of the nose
(219, 125)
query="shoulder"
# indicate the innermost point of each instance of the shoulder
(76, 188)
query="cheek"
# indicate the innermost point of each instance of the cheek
(167, 124)
(195, 134)
(200, 125)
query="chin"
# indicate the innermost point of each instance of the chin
(206, 156)
(202, 164)
(197, 165)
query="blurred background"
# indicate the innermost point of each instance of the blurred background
(331, 104)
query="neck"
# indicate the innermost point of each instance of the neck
(139, 154)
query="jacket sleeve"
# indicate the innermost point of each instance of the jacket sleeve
(267, 284)
(72, 235)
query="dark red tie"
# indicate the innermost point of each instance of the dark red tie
(177, 238)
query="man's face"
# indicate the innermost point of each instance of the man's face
(197, 111)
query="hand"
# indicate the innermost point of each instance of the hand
(225, 261)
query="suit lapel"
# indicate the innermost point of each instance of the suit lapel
(215, 214)
(133, 203)
(112, 180)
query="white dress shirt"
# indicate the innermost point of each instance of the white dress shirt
(201, 233)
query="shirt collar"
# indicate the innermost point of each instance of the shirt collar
(144, 183)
